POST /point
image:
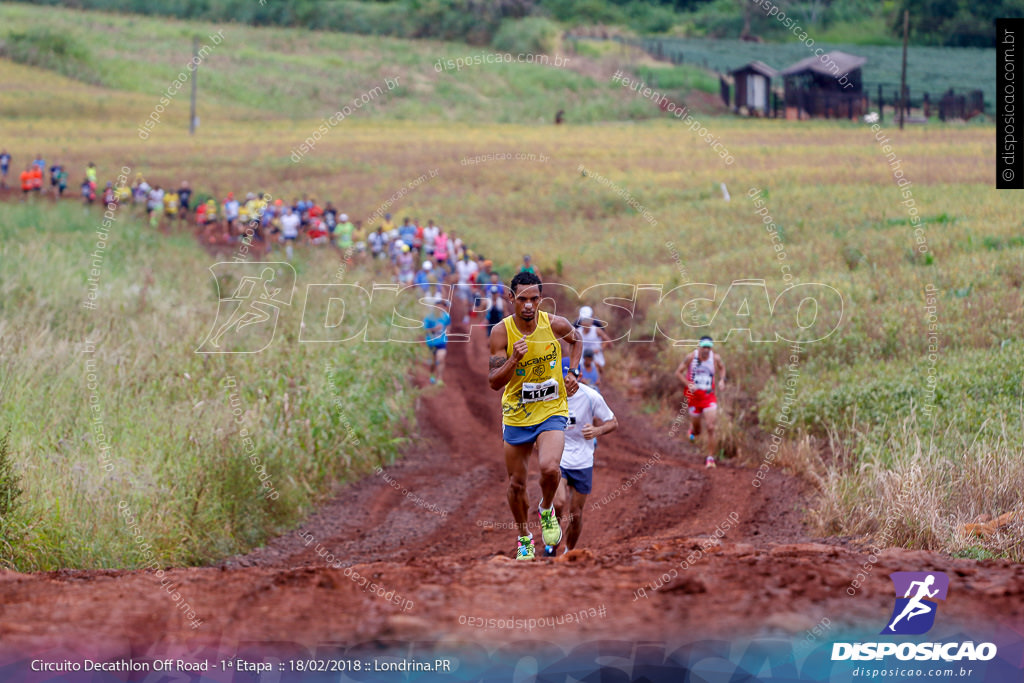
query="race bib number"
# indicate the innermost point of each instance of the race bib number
(534, 392)
(703, 382)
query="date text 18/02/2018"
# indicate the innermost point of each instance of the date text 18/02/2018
(370, 664)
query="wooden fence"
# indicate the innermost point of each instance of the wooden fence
(949, 106)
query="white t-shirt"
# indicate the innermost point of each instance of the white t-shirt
(465, 269)
(430, 234)
(584, 406)
(290, 225)
(377, 241)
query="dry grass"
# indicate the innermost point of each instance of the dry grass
(829, 189)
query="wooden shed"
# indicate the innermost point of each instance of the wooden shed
(825, 86)
(753, 88)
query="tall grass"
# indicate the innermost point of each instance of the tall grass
(922, 487)
(126, 374)
(938, 458)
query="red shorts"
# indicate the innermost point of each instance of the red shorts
(699, 401)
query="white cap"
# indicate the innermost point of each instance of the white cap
(344, 217)
(427, 265)
(586, 312)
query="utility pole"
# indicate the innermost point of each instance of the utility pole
(195, 78)
(903, 77)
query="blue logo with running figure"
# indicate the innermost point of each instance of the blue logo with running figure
(914, 612)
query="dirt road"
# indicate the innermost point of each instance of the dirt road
(433, 533)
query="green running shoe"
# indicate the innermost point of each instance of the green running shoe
(525, 550)
(552, 533)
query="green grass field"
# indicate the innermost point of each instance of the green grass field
(178, 424)
(264, 73)
(828, 188)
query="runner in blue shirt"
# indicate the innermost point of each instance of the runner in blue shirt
(589, 373)
(407, 231)
(5, 166)
(495, 292)
(436, 325)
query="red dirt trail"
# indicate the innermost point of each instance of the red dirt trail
(766, 577)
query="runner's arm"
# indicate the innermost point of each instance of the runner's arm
(601, 427)
(567, 333)
(683, 371)
(564, 330)
(720, 369)
(501, 366)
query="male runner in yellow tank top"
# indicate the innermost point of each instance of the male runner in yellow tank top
(526, 361)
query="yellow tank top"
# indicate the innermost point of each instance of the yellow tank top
(536, 390)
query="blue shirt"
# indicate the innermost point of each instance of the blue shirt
(592, 376)
(5, 161)
(436, 318)
(421, 280)
(407, 233)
